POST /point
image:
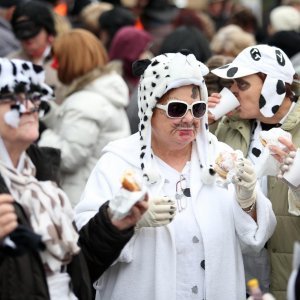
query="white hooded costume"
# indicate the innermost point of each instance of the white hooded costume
(199, 254)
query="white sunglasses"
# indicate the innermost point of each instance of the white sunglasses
(178, 109)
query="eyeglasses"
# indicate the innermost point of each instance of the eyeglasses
(182, 193)
(34, 98)
(178, 109)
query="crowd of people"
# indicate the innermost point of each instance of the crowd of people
(117, 181)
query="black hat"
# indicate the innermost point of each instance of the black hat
(10, 3)
(26, 29)
(30, 17)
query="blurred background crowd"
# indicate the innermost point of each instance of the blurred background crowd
(87, 48)
(133, 29)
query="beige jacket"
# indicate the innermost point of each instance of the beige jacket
(236, 133)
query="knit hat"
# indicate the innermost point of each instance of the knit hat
(30, 18)
(285, 18)
(124, 47)
(269, 60)
(158, 76)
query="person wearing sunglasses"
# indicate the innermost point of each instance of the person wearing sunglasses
(197, 252)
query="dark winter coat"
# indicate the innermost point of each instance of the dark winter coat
(22, 275)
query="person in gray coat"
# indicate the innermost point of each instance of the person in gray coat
(8, 41)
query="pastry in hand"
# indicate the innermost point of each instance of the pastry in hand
(129, 183)
(270, 137)
(225, 162)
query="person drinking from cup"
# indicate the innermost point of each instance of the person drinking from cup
(263, 80)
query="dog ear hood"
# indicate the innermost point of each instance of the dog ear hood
(163, 73)
(139, 66)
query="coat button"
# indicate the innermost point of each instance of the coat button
(202, 264)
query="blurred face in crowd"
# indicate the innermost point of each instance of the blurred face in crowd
(176, 133)
(27, 131)
(35, 47)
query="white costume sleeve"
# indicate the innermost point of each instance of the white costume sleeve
(254, 235)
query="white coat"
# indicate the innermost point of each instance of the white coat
(146, 268)
(83, 124)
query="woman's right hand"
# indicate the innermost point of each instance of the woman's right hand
(8, 217)
(213, 100)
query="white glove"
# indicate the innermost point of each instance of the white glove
(161, 212)
(245, 182)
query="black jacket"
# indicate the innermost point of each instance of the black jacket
(101, 242)
(22, 276)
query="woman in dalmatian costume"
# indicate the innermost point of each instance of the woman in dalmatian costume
(197, 253)
(263, 79)
(39, 253)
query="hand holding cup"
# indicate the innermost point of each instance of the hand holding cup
(227, 103)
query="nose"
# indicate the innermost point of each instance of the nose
(27, 107)
(188, 116)
(234, 88)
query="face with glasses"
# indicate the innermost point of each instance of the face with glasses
(28, 130)
(177, 117)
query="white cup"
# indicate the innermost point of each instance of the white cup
(228, 102)
(292, 175)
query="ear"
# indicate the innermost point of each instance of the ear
(139, 66)
(50, 39)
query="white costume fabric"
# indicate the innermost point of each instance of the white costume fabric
(83, 124)
(147, 266)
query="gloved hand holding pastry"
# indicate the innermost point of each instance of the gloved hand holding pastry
(225, 166)
(232, 167)
(161, 212)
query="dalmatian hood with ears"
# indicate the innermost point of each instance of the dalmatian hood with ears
(269, 60)
(158, 76)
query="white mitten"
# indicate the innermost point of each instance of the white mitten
(245, 182)
(161, 212)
